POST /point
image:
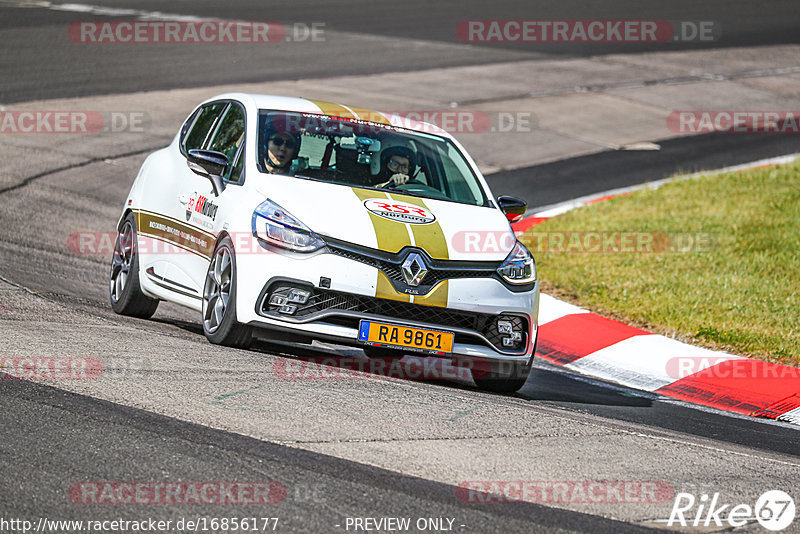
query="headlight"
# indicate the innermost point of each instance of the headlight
(276, 226)
(519, 267)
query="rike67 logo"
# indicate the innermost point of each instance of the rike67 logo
(774, 510)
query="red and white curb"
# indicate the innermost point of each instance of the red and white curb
(610, 350)
(574, 338)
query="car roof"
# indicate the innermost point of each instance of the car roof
(307, 105)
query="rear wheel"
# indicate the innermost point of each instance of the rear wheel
(125, 292)
(219, 300)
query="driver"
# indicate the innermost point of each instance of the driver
(282, 147)
(397, 164)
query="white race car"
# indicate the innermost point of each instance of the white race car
(293, 219)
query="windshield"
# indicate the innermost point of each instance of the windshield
(365, 154)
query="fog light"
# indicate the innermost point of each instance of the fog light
(300, 296)
(287, 299)
(277, 300)
(289, 309)
(504, 327)
(510, 331)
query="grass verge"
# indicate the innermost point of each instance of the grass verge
(713, 260)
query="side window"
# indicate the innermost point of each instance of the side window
(188, 126)
(455, 175)
(230, 133)
(228, 139)
(203, 123)
(235, 172)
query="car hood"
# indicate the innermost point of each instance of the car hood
(391, 221)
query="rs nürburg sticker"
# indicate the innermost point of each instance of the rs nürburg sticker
(399, 211)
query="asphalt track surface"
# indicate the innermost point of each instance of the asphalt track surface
(59, 427)
(423, 33)
(52, 437)
(566, 179)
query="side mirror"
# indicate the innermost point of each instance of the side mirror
(209, 164)
(513, 207)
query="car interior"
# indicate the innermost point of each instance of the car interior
(350, 154)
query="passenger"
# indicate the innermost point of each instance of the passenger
(397, 164)
(281, 150)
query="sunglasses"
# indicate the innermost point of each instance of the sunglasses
(280, 141)
(395, 165)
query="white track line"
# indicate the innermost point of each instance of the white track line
(104, 11)
(648, 361)
(791, 417)
(550, 309)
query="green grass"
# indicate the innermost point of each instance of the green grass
(737, 290)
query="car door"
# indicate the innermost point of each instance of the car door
(182, 212)
(197, 204)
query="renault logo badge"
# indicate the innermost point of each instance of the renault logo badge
(414, 269)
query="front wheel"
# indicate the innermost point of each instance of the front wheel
(125, 293)
(502, 376)
(219, 300)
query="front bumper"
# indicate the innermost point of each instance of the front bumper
(333, 313)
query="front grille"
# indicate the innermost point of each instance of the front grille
(438, 270)
(327, 301)
(323, 300)
(435, 275)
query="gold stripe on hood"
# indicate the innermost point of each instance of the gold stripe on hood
(392, 236)
(428, 237)
(371, 116)
(385, 290)
(437, 296)
(334, 110)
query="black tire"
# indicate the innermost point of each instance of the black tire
(503, 376)
(383, 360)
(125, 293)
(382, 353)
(220, 325)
